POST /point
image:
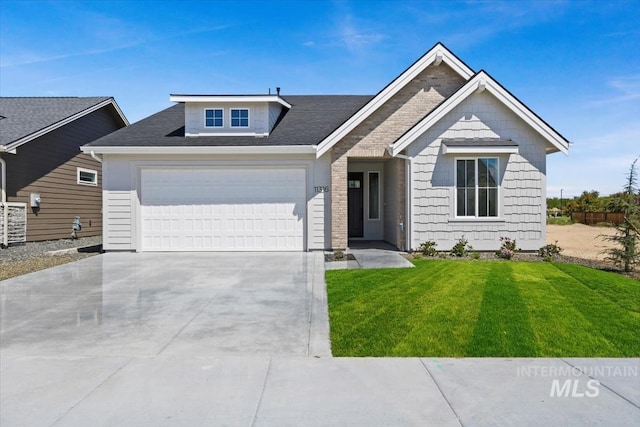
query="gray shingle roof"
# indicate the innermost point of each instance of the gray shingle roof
(310, 119)
(23, 115)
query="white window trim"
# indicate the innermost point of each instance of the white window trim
(369, 195)
(455, 190)
(205, 118)
(94, 172)
(231, 117)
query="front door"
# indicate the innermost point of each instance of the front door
(355, 204)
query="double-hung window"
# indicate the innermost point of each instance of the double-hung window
(239, 118)
(213, 118)
(477, 187)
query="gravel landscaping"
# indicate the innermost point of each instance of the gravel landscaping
(34, 256)
(37, 249)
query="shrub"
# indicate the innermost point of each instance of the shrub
(508, 248)
(549, 251)
(475, 255)
(339, 255)
(627, 237)
(461, 248)
(561, 220)
(428, 248)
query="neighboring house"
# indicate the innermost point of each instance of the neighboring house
(40, 141)
(440, 152)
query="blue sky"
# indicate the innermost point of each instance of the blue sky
(576, 64)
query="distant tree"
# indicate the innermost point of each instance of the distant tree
(627, 233)
(553, 202)
(616, 202)
(589, 201)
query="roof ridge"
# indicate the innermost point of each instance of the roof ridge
(54, 97)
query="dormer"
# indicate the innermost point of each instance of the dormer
(230, 115)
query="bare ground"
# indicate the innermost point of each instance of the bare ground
(11, 269)
(581, 241)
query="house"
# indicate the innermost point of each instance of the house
(48, 179)
(440, 152)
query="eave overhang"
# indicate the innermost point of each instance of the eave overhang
(223, 99)
(182, 150)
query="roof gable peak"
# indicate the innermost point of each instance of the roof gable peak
(436, 55)
(482, 81)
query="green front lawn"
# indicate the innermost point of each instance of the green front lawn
(484, 308)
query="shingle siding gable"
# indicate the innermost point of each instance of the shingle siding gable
(522, 185)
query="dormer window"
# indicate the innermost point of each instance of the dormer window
(239, 118)
(231, 115)
(213, 118)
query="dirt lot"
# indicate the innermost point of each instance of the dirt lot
(580, 241)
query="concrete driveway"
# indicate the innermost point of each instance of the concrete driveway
(152, 304)
(226, 340)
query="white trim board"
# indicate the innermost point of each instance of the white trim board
(480, 149)
(224, 99)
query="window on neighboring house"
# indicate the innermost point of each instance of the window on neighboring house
(239, 118)
(374, 195)
(477, 187)
(213, 118)
(87, 176)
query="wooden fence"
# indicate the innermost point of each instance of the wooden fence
(592, 218)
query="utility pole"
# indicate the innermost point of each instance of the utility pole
(561, 207)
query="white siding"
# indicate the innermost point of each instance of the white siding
(320, 206)
(117, 221)
(117, 194)
(194, 118)
(522, 188)
(121, 203)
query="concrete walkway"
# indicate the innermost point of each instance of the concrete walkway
(371, 254)
(242, 339)
(282, 391)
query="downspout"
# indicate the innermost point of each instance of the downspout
(5, 206)
(95, 156)
(408, 167)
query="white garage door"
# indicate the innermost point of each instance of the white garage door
(252, 209)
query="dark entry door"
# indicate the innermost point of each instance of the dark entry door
(355, 204)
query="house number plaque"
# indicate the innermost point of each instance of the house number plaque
(321, 189)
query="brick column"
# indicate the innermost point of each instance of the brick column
(339, 206)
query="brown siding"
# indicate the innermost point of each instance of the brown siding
(48, 165)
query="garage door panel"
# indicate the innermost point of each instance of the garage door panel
(223, 209)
